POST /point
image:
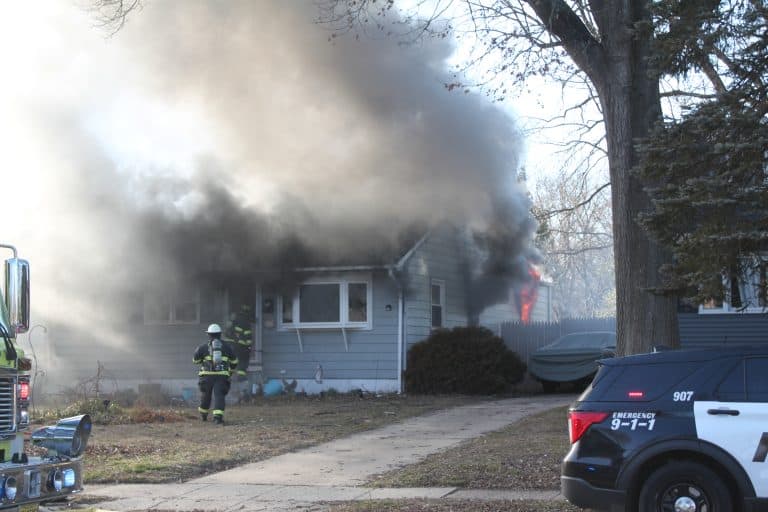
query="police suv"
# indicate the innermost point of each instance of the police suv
(678, 431)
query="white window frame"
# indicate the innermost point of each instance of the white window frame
(344, 322)
(441, 284)
(172, 302)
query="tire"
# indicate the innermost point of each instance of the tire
(549, 386)
(684, 484)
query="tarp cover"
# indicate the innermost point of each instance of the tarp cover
(571, 357)
(564, 367)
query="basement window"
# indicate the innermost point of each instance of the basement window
(329, 303)
(181, 306)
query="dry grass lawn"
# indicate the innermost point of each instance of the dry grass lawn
(454, 506)
(178, 451)
(525, 455)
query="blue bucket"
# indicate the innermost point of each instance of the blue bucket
(273, 387)
(188, 394)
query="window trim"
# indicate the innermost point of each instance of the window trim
(172, 303)
(441, 284)
(343, 323)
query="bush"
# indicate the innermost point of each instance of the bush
(102, 412)
(152, 395)
(468, 360)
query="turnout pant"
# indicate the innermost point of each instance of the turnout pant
(243, 353)
(216, 387)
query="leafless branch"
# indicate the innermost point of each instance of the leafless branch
(552, 213)
(582, 250)
(111, 15)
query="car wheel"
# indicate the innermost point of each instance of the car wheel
(684, 487)
(549, 386)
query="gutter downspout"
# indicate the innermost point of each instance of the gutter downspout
(400, 324)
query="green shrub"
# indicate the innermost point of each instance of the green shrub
(467, 360)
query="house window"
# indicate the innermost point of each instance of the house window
(438, 303)
(178, 307)
(328, 303)
(357, 302)
(319, 303)
(286, 306)
(746, 291)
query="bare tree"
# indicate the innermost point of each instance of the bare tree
(576, 242)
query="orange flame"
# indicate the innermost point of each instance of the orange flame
(529, 292)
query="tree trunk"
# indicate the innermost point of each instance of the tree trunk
(631, 105)
(617, 64)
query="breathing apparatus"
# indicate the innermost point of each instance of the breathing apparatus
(215, 347)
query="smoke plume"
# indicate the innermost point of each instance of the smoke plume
(235, 135)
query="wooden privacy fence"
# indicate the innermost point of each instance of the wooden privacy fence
(525, 338)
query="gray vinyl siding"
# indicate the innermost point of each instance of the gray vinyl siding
(709, 329)
(542, 311)
(495, 315)
(134, 351)
(372, 353)
(438, 257)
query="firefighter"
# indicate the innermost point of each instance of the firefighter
(243, 337)
(217, 362)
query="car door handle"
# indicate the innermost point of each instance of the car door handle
(726, 412)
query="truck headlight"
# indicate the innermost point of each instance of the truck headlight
(9, 488)
(68, 477)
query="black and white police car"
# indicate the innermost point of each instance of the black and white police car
(677, 431)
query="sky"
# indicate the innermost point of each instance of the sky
(231, 127)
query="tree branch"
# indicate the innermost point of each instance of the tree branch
(552, 213)
(560, 20)
(690, 94)
(574, 252)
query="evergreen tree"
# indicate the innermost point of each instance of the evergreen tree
(708, 171)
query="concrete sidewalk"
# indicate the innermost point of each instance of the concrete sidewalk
(334, 471)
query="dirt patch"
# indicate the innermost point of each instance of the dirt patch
(189, 448)
(526, 455)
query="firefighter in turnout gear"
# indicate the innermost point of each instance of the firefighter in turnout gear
(217, 362)
(242, 334)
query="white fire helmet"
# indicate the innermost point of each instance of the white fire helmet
(214, 329)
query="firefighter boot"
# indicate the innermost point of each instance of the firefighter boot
(204, 416)
(218, 419)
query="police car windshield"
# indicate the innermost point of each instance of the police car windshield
(585, 340)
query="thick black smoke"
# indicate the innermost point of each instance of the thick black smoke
(226, 136)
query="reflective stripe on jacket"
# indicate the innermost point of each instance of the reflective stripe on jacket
(205, 360)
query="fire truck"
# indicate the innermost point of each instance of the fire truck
(26, 481)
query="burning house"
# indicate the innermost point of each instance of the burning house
(337, 187)
(342, 326)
